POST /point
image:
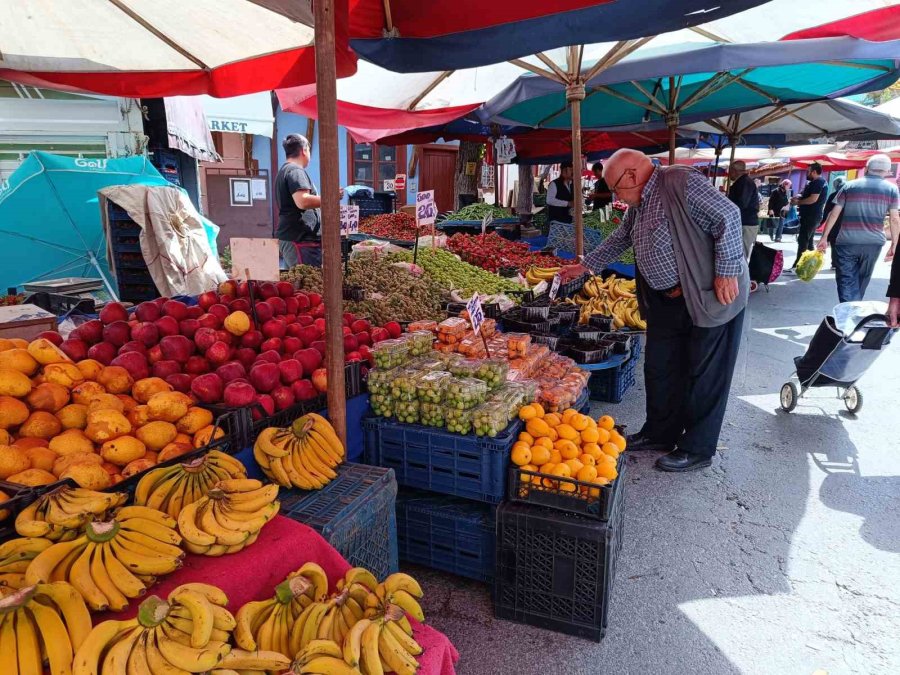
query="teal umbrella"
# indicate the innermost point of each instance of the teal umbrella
(50, 216)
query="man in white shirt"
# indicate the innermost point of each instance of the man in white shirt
(561, 196)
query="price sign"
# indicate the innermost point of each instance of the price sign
(349, 220)
(554, 287)
(426, 210)
(400, 181)
(470, 168)
(505, 149)
(390, 185)
(476, 314)
(485, 222)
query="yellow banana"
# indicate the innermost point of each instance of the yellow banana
(408, 644)
(187, 525)
(191, 659)
(9, 662)
(408, 604)
(370, 659)
(239, 659)
(116, 660)
(399, 660)
(201, 614)
(402, 582)
(143, 543)
(153, 482)
(139, 563)
(44, 563)
(239, 485)
(352, 650)
(326, 665)
(71, 605)
(28, 647)
(137, 660)
(127, 512)
(159, 664)
(87, 656)
(55, 638)
(116, 600)
(127, 583)
(265, 444)
(243, 632)
(223, 536)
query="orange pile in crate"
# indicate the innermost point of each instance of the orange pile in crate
(567, 445)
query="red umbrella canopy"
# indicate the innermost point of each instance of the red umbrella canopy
(153, 48)
(879, 25)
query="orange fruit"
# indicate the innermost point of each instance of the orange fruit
(539, 455)
(553, 419)
(537, 427)
(525, 437)
(574, 465)
(606, 470)
(610, 449)
(527, 412)
(538, 408)
(567, 414)
(587, 474)
(591, 449)
(590, 435)
(544, 442)
(552, 435)
(606, 422)
(567, 432)
(524, 477)
(586, 459)
(618, 439)
(521, 454)
(567, 449)
(566, 486)
(562, 470)
(580, 422)
(604, 436)
(555, 456)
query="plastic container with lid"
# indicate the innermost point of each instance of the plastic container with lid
(430, 326)
(492, 372)
(517, 344)
(458, 421)
(464, 393)
(428, 362)
(463, 367)
(403, 386)
(488, 328)
(382, 404)
(431, 414)
(452, 330)
(379, 380)
(389, 354)
(406, 411)
(490, 419)
(430, 386)
(419, 342)
(472, 346)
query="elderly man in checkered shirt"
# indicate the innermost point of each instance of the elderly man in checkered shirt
(692, 289)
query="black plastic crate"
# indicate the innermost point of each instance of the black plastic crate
(552, 341)
(514, 322)
(623, 342)
(588, 351)
(556, 570)
(355, 513)
(566, 314)
(354, 293)
(601, 322)
(125, 242)
(451, 534)
(129, 260)
(491, 310)
(381, 202)
(611, 385)
(586, 333)
(59, 304)
(551, 494)
(137, 292)
(19, 496)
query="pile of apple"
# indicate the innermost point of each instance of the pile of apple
(214, 351)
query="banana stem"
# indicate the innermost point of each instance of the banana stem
(17, 600)
(153, 611)
(101, 531)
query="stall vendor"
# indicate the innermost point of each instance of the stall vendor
(561, 196)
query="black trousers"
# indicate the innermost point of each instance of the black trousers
(687, 373)
(805, 238)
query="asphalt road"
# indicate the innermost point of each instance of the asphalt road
(780, 558)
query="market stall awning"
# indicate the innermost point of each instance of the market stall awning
(165, 47)
(414, 36)
(248, 114)
(877, 25)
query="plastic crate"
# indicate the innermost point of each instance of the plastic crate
(446, 533)
(556, 570)
(19, 496)
(60, 305)
(137, 292)
(612, 384)
(117, 214)
(467, 466)
(598, 507)
(381, 202)
(129, 260)
(354, 513)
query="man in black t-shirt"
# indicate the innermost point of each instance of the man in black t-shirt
(299, 219)
(602, 195)
(811, 204)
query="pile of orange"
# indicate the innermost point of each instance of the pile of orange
(567, 445)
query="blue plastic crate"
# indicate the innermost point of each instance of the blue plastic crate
(612, 384)
(446, 533)
(354, 513)
(467, 466)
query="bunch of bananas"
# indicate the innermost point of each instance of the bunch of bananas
(60, 515)
(113, 560)
(322, 657)
(610, 297)
(15, 556)
(229, 517)
(535, 275)
(46, 622)
(267, 624)
(304, 454)
(171, 488)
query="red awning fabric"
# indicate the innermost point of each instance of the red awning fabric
(879, 25)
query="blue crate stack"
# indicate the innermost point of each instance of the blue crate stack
(132, 276)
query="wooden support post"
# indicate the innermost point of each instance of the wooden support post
(332, 282)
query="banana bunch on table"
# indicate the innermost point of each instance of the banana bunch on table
(535, 275)
(610, 297)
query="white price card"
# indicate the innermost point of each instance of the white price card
(349, 219)
(389, 185)
(485, 222)
(505, 149)
(426, 210)
(554, 287)
(476, 314)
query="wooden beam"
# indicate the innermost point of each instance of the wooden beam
(546, 60)
(430, 88)
(388, 19)
(614, 55)
(611, 92)
(332, 281)
(699, 30)
(651, 97)
(537, 71)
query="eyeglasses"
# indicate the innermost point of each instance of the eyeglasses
(627, 172)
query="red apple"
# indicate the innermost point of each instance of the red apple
(352, 356)
(274, 344)
(320, 379)
(319, 346)
(320, 325)
(225, 336)
(146, 333)
(291, 344)
(265, 407)
(90, 331)
(176, 347)
(363, 338)
(246, 356)
(166, 325)
(273, 328)
(117, 333)
(154, 354)
(291, 370)
(304, 390)
(112, 312)
(310, 359)
(348, 318)
(163, 369)
(159, 302)
(293, 330)
(314, 299)
(366, 353)
(350, 344)
(240, 305)
(220, 311)
(180, 381)
(135, 363)
(194, 312)
(229, 287)
(239, 394)
(305, 320)
(134, 346)
(345, 330)
(244, 290)
(302, 301)
(267, 290)
(283, 397)
(189, 327)
(360, 325)
(285, 289)
(204, 338)
(264, 312)
(176, 309)
(232, 370)
(265, 376)
(393, 328)
(291, 305)
(52, 336)
(147, 311)
(252, 339)
(270, 356)
(278, 306)
(209, 321)
(208, 388)
(309, 334)
(104, 352)
(207, 299)
(75, 349)
(379, 334)
(218, 353)
(318, 311)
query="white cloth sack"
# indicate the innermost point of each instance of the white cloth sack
(173, 240)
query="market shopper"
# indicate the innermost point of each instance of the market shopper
(893, 293)
(561, 196)
(811, 204)
(743, 192)
(299, 219)
(862, 206)
(779, 201)
(829, 205)
(692, 289)
(601, 195)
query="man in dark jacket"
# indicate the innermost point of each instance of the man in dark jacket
(893, 293)
(810, 203)
(779, 200)
(561, 196)
(745, 196)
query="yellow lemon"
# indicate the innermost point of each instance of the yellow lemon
(606, 422)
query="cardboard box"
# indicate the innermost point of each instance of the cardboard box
(25, 321)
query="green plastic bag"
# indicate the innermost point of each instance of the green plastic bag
(809, 265)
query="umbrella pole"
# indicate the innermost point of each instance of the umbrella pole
(731, 140)
(672, 137)
(575, 95)
(332, 283)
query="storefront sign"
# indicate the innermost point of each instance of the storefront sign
(259, 188)
(240, 192)
(349, 219)
(426, 210)
(476, 314)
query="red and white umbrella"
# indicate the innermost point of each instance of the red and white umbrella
(151, 48)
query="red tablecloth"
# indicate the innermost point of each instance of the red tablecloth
(282, 547)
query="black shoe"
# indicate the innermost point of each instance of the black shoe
(679, 461)
(639, 442)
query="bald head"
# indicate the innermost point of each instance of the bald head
(627, 171)
(737, 168)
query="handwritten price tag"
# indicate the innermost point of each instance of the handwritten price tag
(389, 185)
(349, 220)
(505, 149)
(554, 287)
(426, 210)
(476, 314)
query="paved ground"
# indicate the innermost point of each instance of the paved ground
(780, 558)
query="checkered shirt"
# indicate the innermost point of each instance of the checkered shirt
(647, 229)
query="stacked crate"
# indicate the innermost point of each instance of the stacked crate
(127, 262)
